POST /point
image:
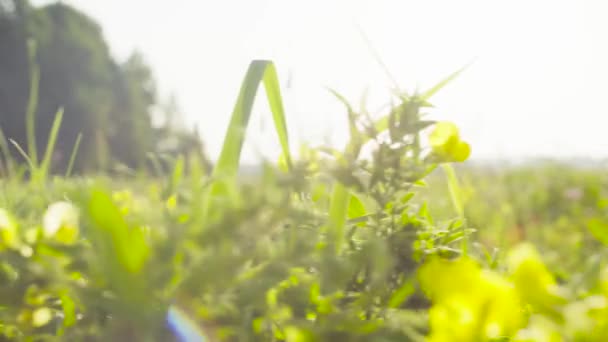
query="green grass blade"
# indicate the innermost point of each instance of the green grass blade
(259, 71)
(356, 138)
(68, 171)
(338, 211)
(433, 90)
(50, 146)
(108, 220)
(378, 59)
(454, 188)
(32, 104)
(225, 171)
(8, 157)
(24, 154)
(178, 173)
(275, 101)
(228, 162)
(457, 200)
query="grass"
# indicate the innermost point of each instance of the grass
(327, 247)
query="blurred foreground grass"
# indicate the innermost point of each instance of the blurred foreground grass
(328, 246)
(552, 204)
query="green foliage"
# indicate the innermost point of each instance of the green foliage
(56, 57)
(336, 245)
(325, 248)
(542, 203)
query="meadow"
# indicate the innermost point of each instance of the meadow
(392, 238)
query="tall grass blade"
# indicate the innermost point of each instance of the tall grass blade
(377, 57)
(32, 104)
(356, 140)
(23, 154)
(429, 93)
(9, 163)
(259, 71)
(68, 171)
(50, 146)
(338, 211)
(457, 201)
(275, 101)
(454, 189)
(225, 171)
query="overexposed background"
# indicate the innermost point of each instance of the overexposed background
(537, 88)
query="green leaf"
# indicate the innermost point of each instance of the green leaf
(69, 310)
(355, 207)
(338, 210)
(599, 230)
(402, 294)
(128, 245)
(425, 213)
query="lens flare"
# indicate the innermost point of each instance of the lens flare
(185, 329)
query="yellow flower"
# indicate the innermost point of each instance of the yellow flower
(125, 201)
(446, 143)
(60, 222)
(171, 203)
(41, 317)
(469, 304)
(532, 279)
(8, 230)
(35, 317)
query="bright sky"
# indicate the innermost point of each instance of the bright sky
(537, 88)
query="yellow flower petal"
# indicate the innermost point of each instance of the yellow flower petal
(60, 222)
(532, 279)
(446, 143)
(8, 230)
(41, 317)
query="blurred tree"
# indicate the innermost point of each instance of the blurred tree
(135, 95)
(76, 73)
(14, 71)
(110, 103)
(172, 136)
